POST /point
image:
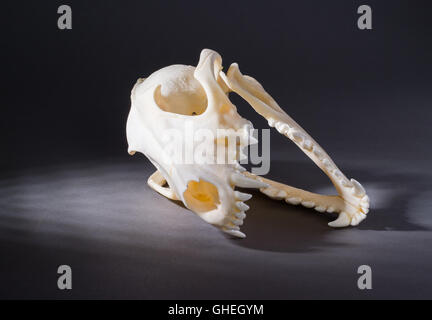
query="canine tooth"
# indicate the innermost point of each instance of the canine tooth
(235, 233)
(271, 122)
(342, 221)
(242, 206)
(308, 204)
(244, 182)
(240, 215)
(242, 196)
(359, 217)
(331, 209)
(320, 208)
(359, 191)
(293, 200)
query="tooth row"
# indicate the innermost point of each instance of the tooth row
(242, 181)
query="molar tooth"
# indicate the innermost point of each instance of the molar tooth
(307, 144)
(293, 200)
(317, 152)
(365, 210)
(308, 204)
(270, 191)
(281, 194)
(342, 221)
(320, 208)
(244, 182)
(282, 127)
(242, 196)
(242, 206)
(365, 201)
(297, 136)
(359, 191)
(327, 163)
(271, 122)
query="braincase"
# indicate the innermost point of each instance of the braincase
(178, 91)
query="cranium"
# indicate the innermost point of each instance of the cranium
(179, 94)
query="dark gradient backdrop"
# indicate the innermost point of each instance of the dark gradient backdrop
(364, 95)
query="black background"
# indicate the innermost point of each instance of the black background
(70, 193)
(66, 92)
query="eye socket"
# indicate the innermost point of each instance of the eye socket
(201, 196)
(185, 101)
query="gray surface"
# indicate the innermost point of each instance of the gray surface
(123, 240)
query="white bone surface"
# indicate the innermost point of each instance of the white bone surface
(177, 94)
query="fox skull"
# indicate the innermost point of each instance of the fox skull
(177, 97)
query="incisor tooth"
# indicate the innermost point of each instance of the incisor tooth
(242, 196)
(244, 182)
(342, 221)
(242, 206)
(359, 191)
(240, 215)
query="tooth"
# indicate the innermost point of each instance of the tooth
(320, 208)
(270, 191)
(359, 217)
(297, 136)
(281, 194)
(282, 127)
(346, 183)
(365, 201)
(327, 163)
(317, 152)
(338, 174)
(242, 196)
(237, 222)
(244, 182)
(359, 191)
(307, 144)
(235, 233)
(365, 210)
(242, 206)
(240, 215)
(293, 200)
(308, 204)
(342, 221)
(330, 209)
(271, 122)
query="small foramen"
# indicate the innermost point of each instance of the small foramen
(185, 310)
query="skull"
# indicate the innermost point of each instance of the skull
(174, 104)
